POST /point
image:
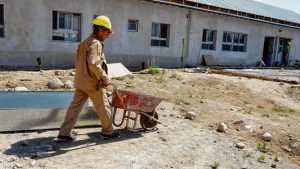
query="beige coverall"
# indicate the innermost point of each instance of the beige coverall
(91, 71)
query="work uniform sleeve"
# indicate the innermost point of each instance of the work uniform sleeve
(95, 61)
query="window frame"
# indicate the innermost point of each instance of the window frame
(207, 39)
(136, 25)
(2, 26)
(230, 41)
(65, 31)
(158, 37)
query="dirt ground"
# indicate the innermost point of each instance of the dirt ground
(249, 107)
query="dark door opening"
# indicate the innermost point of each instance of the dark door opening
(268, 53)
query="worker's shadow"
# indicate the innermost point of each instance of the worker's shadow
(39, 148)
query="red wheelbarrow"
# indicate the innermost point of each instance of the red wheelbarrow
(134, 105)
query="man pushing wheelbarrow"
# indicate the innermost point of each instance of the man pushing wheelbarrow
(91, 80)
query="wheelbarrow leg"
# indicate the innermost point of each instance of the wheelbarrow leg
(114, 117)
(130, 118)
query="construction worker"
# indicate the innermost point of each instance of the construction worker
(286, 52)
(91, 79)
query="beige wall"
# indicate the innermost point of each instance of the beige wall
(28, 33)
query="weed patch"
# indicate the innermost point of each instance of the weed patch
(215, 165)
(154, 71)
(263, 147)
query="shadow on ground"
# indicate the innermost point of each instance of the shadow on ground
(39, 148)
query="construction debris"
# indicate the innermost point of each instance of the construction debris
(223, 72)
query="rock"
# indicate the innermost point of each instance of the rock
(222, 127)
(32, 163)
(281, 83)
(239, 122)
(249, 128)
(190, 115)
(273, 166)
(55, 84)
(18, 165)
(11, 85)
(69, 84)
(72, 73)
(277, 159)
(12, 159)
(163, 139)
(75, 132)
(25, 143)
(189, 70)
(26, 158)
(267, 137)
(56, 73)
(20, 89)
(287, 148)
(240, 145)
(294, 145)
(291, 137)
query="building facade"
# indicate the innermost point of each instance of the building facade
(167, 35)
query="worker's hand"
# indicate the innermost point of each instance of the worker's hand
(104, 84)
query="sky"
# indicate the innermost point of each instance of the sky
(293, 5)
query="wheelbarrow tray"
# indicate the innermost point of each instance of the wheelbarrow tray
(134, 101)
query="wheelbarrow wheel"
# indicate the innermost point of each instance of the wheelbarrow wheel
(146, 122)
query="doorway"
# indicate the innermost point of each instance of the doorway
(268, 53)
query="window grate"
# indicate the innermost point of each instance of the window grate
(66, 26)
(234, 42)
(160, 34)
(133, 25)
(209, 39)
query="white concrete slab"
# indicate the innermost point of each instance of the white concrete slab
(117, 70)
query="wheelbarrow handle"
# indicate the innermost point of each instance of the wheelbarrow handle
(115, 90)
(114, 86)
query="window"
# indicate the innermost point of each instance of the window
(234, 42)
(209, 39)
(66, 26)
(1, 20)
(160, 34)
(133, 25)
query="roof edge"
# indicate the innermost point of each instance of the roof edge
(227, 12)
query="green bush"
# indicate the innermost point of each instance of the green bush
(154, 71)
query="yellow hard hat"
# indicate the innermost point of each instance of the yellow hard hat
(103, 21)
